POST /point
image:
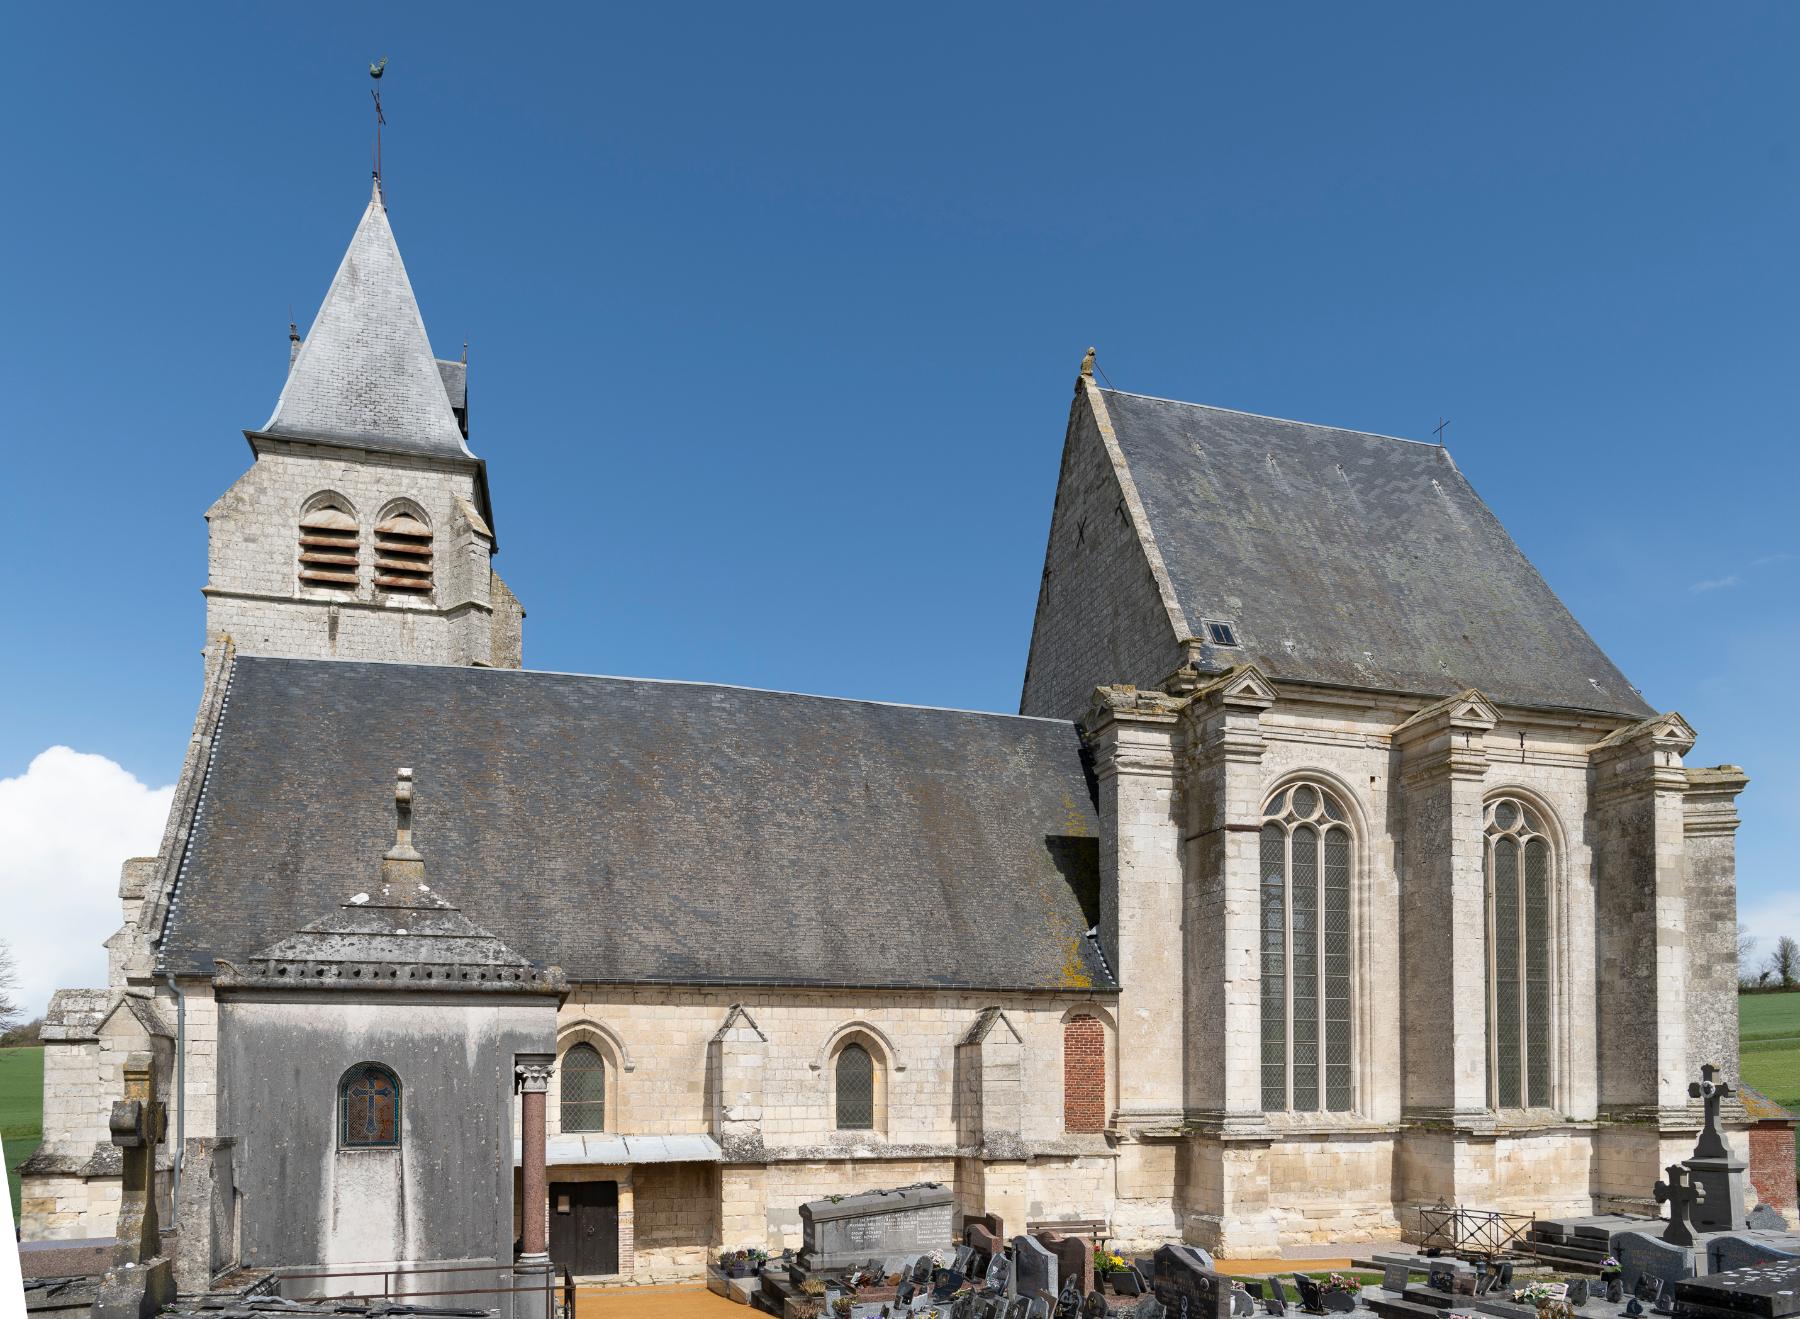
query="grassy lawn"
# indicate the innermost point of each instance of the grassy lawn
(1769, 1045)
(21, 1110)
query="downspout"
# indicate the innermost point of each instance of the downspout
(180, 1092)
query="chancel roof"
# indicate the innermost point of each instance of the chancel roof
(631, 831)
(1352, 559)
(366, 375)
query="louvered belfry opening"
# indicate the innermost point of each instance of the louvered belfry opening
(328, 548)
(403, 555)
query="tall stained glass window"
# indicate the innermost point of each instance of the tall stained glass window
(855, 1089)
(368, 1108)
(1305, 929)
(583, 1106)
(1518, 906)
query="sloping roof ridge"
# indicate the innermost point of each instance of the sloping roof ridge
(673, 682)
(173, 904)
(1286, 421)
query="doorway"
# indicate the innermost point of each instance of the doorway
(584, 1227)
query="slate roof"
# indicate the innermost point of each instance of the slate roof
(1352, 559)
(365, 374)
(629, 830)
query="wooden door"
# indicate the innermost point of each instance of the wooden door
(584, 1227)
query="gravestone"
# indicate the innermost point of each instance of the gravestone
(1276, 1302)
(1068, 1301)
(1241, 1305)
(1185, 1283)
(1034, 1268)
(1763, 1291)
(1018, 1308)
(1394, 1277)
(1715, 1175)
(1615, 1290)
(1149, 1308)
(1039, 1308)
(1093, 1306)
(945, 1283)
(999, 1269)
(1639, 1253)
(1728, 1252)
(965, 1254)
(1578, 1292)
(984, 1244)
(840, 1232)
(1311, 1300)
(1074, 1258)
(921, 1270)
(1648, 1288)
(959, 1308)
(1127, 1282)
(1766, 1218)
(1679, 1194)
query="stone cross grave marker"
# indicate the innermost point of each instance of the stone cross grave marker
(1711, 1093)
(1678, 1194)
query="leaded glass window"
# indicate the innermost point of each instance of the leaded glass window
(368, 1108)
(1518, 915)
(583, 1105)
(855, 1089)
(1305, 940)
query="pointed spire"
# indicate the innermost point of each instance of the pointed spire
(365, 374)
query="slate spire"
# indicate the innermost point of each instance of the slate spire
(365, 374)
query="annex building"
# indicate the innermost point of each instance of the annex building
(1328, 870)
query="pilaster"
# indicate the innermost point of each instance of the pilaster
(1639, 823)
(1223, 780)
(1443, 768)
(1131, 735)
(1710, 823)
(990, 1078)
(738, 1058)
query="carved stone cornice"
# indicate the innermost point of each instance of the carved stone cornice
(1123, 702)
(1640, 758)
(1446, 740)
(1711, 802)
(1223, 718)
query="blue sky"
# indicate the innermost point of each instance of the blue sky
(774, 312)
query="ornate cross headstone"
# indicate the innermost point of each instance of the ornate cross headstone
(1711, 1144)
(138, 1124)
(1678, 1194)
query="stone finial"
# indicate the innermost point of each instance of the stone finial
(403, 849)
(1087, 365)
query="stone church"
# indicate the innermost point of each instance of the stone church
(1328, 870)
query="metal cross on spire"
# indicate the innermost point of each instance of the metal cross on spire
(375, 72)
(1439, 429)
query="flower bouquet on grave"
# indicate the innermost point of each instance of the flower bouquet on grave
(1107, 1262)
(1338, 1292)
(840, 1308)
(813, 1287)
(1610, 1268)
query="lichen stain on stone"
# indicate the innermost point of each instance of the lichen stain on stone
(1075, 824)
(1074, 974)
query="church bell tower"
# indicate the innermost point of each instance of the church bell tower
(363, 529)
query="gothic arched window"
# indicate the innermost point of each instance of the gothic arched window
(329, 546)
(1305, 903)
(368, 1108)
(583, 1106)
(1518, 863)
(855, 1075)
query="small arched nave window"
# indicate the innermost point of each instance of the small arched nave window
(368, 1108)
(403, 553)
(329, 547)
(1305, 930)
(583, 1106)
(855, 1079)
(1519, 875)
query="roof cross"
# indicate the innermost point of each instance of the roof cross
(375, 72)
(1439, 429)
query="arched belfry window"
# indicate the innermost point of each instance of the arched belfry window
(1519, 873)
(855, 1079)
(403, 553)
(368, 1108)
(329, 546)
(583, 1106)
(1305, 892)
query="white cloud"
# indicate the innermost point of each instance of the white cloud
(1717, 583)
(66, 825)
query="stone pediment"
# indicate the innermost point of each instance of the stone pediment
(735, 1018)
(1667, 731)
(1245, 684)
(1467, 709)
(992, 1023)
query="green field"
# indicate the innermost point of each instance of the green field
(1769, 1045)
(21, 1110)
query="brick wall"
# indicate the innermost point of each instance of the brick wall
(1772, 1165)
(1084, 1074)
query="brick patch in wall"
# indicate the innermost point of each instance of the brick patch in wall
(1084, 1074)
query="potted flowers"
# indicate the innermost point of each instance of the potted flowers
(1550, 1299)
(1338, 1291)
(1113, 1268)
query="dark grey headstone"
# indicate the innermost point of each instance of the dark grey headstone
(1018, 1307)
(1311, 1299)
(1394, 1277)
(1093, 1306)
(1185, 1281)
(1767, 1218)
(1725, 1253)
(1640, 1254)
(1578, 1292)
(999, 1272)
(1034, 1268)
(964, 1256)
